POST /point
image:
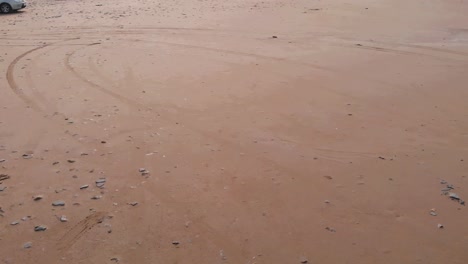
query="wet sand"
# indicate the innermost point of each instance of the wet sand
(266, 132)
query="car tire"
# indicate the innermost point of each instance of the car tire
(5, 8)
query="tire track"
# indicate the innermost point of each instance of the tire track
(80, 229)
(10, 75)
(115, 95)
(12, 82)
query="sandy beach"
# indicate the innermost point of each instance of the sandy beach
(242, 132)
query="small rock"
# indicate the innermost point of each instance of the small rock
(71, 161)
(382, 158)
(141, 169)
(2, 188)
(303, 260)
(103, 142)
(84, 186)
(2, 160)
(14, 223)
(222, 255)
(433, 213)
(58, 203)
(175, 243)
(443, 182)
(328, 177)
(27, 156)
(27, 245)
(38, 197)
(327, 201)
(101, 180)
(114, 259)
(450, 186)
(440, 226)
(96, 197)
(133, 203)
(40, 228)
(100, 185)
(63, 219)
(274, 37)
(330, 229)
(454, 196)
(55, 163)
(4, 177)
(25, 218)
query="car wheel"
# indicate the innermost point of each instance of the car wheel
(5, 8)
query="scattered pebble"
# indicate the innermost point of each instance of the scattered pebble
(101, 180)
(443, 182)
(143, 171)
(55, 163)
(71, 161)
(2, 188)
(222, 255)
(330, 229)
(100, 183)
(14, 223)
(2, 160)
(4, 177)
(96, 197)
(133, 203)
(63, 219)
(37, 197)
(175, 243)
(84, 186)
(440, 226)
(115, 259)
(454, 196)
(27, 156)
(303, 260)
(27, 245)
(40, 228)
(274, 37)
(58, 203)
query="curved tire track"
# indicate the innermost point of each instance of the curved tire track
(115, 95)
(10, 75)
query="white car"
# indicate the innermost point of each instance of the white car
(7, 6)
